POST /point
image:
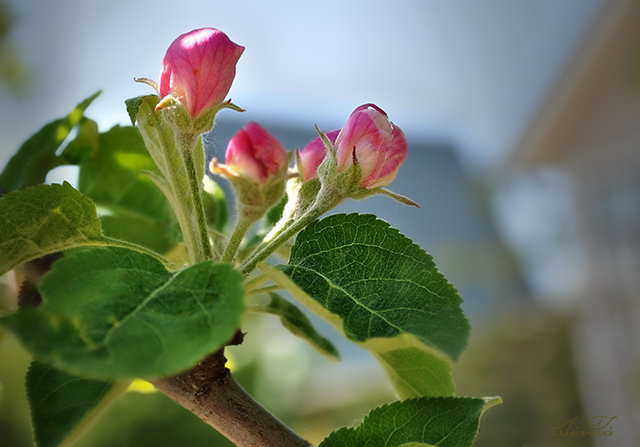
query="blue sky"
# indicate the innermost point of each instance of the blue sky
(466, 71)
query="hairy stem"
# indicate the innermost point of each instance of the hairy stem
(242, 226)
(202, 245)
(264, 251)
(210, 392)
(326, 199)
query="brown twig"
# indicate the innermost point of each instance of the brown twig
(210, 392)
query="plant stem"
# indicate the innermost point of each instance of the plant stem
(210, 392)
(264, 251)
(203, 247)
(242, 226)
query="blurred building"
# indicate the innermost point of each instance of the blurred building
(587, 132)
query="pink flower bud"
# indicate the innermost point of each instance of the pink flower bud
(376, 145)
(198, 69)
(313, 154)
(255, 154)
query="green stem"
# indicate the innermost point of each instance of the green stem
(327, 198)
(264, 251)
(242, 226)
(255, 281)
(265, 289)
(202, 245)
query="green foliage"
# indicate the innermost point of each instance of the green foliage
(275, 213)
(215, 205)
(61, 402)
(114, 177)
(30, 165)
(44, 219)
(114, 312)
(415, 372)
(441, 422)
(298, 324)
(378, 281)
(385, 293)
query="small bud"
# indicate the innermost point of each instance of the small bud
(312, 155)
(256, 165)
(371, 141)
(198, 69)
(257, 155)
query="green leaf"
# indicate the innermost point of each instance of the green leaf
(439, 421)
(215, 205)
(140, 230)
(84, 145)
(44, 219)
(117, 178)
(378, 281)
(415, 369)
(415, 372)
(298, 324)
(114, 312)
(133, 104)
(113, 177)
(63, 405)
(275, 214)
(30, 165)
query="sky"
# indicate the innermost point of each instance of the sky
(463, 71)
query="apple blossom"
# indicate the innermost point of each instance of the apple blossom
(374, 143)
(198, 69)
(255, 154)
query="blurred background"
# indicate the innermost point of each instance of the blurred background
(523, 119)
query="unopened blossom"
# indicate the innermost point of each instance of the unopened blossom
(374, 143)
(198, 69)
(312, 155)
(255, 154)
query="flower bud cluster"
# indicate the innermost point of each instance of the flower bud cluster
(355, 161)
